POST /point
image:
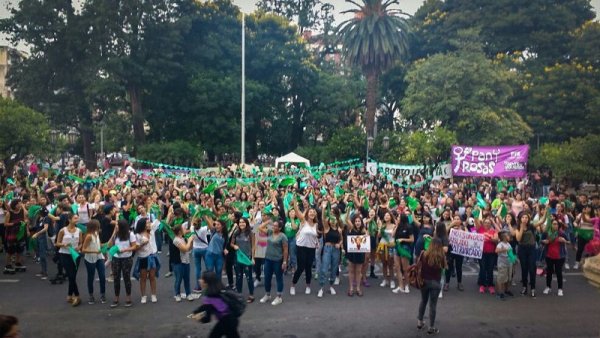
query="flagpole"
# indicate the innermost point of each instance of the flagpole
(243, 150)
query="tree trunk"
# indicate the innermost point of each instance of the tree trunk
(372, 89)
(89, 157)
(137, 115)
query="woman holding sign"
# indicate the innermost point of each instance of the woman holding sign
(68, 242)
(455, 261)
(355, 259)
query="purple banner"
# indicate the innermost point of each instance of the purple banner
(492, 161)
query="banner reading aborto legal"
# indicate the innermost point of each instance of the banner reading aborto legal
(489, 161)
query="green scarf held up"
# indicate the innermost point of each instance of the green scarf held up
(286, 182)
(74, 254)
(393, 203)
(480, 201)
(242, 258)
(210, 189)
(412, 202)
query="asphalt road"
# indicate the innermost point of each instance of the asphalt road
(43, 312)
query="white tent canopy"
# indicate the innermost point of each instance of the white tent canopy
(291, 158)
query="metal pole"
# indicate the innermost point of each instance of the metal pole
(102, 139)
(243, 150)
(367, 159)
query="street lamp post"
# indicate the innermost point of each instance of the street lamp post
(53, 136)
(386, 142)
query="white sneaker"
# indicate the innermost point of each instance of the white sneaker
(567, 266)
(398, 289)
(332, 290)
(560, 292)
(256, 282)
(293, 291)
(576, 266)
(383, 284)
(320, 293)
(337, 281)
(265, 299)
(197, 295)
(307, 291)
(190, 298)
(144, 299)
(441, 295)
(153, 299)
(547, 290)
(392, 285)
(406, 289)
(177, 299)
(278, 300)
(183, 296)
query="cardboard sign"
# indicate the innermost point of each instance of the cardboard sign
(466, 244)
(359, 244)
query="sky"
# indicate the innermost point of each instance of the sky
(248, 6)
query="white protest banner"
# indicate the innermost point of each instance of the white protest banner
(403, 170)
(468, 244)
(358, 244)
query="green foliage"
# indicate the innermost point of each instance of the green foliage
(576, 159)
(176, 152)
(23, 131)
(349, 142)
(466, 93)
(585, 46)
(429, 147)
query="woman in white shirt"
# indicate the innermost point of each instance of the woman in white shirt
(306, 244)
(94, 261)
(70, 237)
(181, 264)
(199, 252)
(147, 259)
(123, 261)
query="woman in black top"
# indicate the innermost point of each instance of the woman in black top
(355, 260)
(332, 242)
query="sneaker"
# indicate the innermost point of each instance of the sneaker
(383, 284)
(128, 303)
(183, 296)
(177, 299)
(293, 291)
(110, 279)
(337, 281)
(307, 291)
(265, 299)
(332, 290)
(103, 299)
(532, 293)
(168, 274)
(190, 298)
(92, 301)
(76, 301)
(406, 289)
(39, 274)
(153, 299)
(576, 266)
(44, 277)
(320, 293)
(196, 295)
(492, 290)
(114, 304)
(144, 300)
(546, 290)
(398, 289)
(460, 287)
(392, 285)
(567, 267)
(482, 289)
(433, 330)
(524, 291)
(560, 292)
(277, 301)
(441, 295)
(197, 291)
(256, 283)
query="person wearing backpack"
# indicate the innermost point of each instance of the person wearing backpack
(216, 305)
(432, 262)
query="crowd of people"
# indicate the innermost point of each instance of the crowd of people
(295, 221)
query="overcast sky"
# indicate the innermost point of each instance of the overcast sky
(247, 6)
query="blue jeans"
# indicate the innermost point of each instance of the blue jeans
(486, 269)
(331, 261)
(214, 262)
(429, 295)
(293, 262)
(318, 253)
(42, 244)
(182, 273)
(199, 254)
(270, 268)
(240, 269)
(91, 273)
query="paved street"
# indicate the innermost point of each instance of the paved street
(43, 312)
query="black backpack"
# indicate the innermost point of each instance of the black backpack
(234, 301)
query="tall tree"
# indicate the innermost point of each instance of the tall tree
(373, 40)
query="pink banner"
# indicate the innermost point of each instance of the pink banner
(490, 161)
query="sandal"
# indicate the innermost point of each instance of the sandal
(350, 293)
(250, 299)
(359, 293)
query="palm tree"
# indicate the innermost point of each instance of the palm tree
(374, 39)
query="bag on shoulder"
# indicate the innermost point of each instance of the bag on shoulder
(413, 274)
(234, 301)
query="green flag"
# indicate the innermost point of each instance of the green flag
(242, 258)
(169, 231)
(22, 231)
(366, 205)
(104, 248)
(412, 202)
(480, 201)
(586, 234)
(426, 242)
(210, 188)
(286, 182)
(512, 258)
(74, 254)
(311, 198)
(113, 251)
(402, 251)
(323, 191)
(188, 235)
(393, 203)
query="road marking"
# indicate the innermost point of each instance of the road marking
(9, 280)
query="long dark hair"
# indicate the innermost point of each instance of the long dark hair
(403, 225)
(213, 284)
(123, 230)
(247, 231)
(141, 225)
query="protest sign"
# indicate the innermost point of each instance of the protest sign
(359, 244)
(493, 161)
(466, 244)
(403, 170)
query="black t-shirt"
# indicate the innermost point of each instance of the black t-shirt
(106, 229)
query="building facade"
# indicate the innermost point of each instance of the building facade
(8, 58)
